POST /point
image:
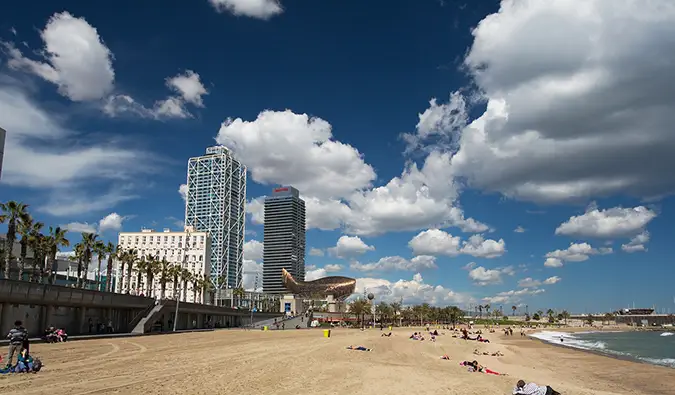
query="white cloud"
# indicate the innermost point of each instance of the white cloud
(350, 247)
(79, 227)
(171, 107)
(284, 148)
(76, 60)
(189, 87)
(316, 252)
(261, 9)
(253, 250)
(572, 116)
(331, 268)
(182, 191)
(414, 291)
(552, 280)
(438, 124)
(112, 221)
(482, 276)
(439, 242)
(609, 223)
(529, 282)
(519, 229)
(314, 274)
(576, 252)
(513, 296)
(637, 243)
(393, 263)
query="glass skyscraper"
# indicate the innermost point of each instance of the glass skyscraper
(216, 200)
(284, 238)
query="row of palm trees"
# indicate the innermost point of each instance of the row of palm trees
(45, 247)
(396, 313)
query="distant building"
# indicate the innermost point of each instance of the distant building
(284, 238)
(190, 250)
(2, 148)
(215, 203)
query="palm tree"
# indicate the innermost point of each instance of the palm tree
(551, 315)
(28, 229)
(12, 213)
(112, 252)
(78, 257)
(186, 277)
(40, 246)
(566, 315)
(174, 273)
(141, 267)
(487, 309)
(514, 308)
(360, 307)
(100, 249)
(132, 260)
(165, 274)
(55, 240)
(151, 269)
(88, 243)
(239, 293)
(480, 309)
(205, 287)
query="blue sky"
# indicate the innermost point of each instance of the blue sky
(539, 175)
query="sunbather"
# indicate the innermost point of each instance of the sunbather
(475, 367)
(386, 334)
(445, 356)
(533, 389)
(359, 348)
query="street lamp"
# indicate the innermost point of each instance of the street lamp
(372, 306)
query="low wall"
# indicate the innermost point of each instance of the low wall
(79, 311)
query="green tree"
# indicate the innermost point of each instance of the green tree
(55, 240)
(112, 252)
(12, 214)
(29, 230)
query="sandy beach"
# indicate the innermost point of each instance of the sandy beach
(303, 361)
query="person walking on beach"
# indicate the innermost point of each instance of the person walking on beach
(533, 389)
(18, 338)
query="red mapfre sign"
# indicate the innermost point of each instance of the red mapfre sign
(281, 190)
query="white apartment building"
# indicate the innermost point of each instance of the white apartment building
(189, 249)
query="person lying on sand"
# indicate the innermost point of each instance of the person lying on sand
(497, 354)
(359, 348)
(386, 334)
(445, 356)
(475, 367)
(533, 389)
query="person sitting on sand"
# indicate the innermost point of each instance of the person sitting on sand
(533, 389)
(358, 348)
(435, 333)
(475, 367)
(24, 362)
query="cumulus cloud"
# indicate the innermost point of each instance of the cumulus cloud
(79, 227)
(75, 59)
(189, 86)
(112, 221)
(609, 223)
(316, 252)
(394, 263)
(519, 229)
(572, 116)
(350, 247)
(439, 242)
(414, 291)
(74, 175)
(529, 282)
(576, 252)
(284, 148)
(252, 268)
(260, 9)
(182, 191)
(513, 296)
(482, 276)
(253, 250)
(637, 243)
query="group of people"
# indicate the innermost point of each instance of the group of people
(20, 346)
(54, 335)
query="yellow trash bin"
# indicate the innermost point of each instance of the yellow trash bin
(265, 328)
(326, 333)
(390, 327)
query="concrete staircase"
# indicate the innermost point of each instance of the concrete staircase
(145, 323)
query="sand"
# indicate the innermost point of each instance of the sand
(303, 361)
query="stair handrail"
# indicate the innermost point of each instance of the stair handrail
(138, 317)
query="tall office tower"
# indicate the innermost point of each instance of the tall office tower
(284, 238)
(216, 199)
(2, 148)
